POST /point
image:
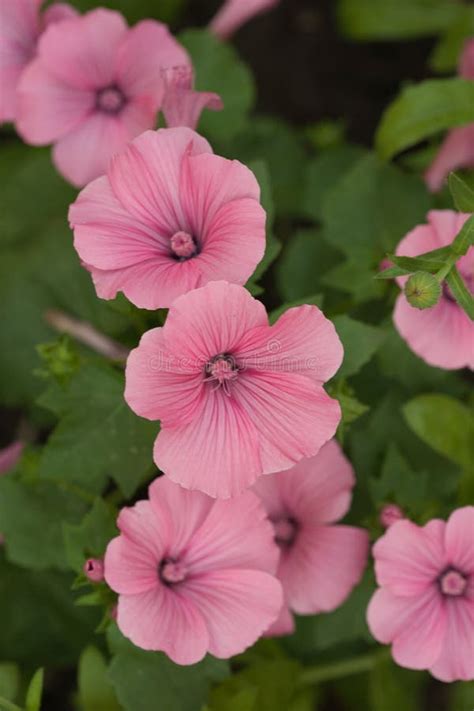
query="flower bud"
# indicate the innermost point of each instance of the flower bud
(94, 570)
(422, 290)
(390, 514)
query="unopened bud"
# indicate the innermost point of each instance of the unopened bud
(390, 514)
(94, 570)
(422, 290)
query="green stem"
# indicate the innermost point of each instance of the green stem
(446, 268)
(6, 705)
(356, 665)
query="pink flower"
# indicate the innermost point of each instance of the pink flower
(457, 149)
(442, 335)
(10, 456)
(390, 514)
(168, 217)
(234, 13)
(236, 397)
(425, 604)
(20, 27)
(182, 105)
(94, 570)
(94, 85)
(320, 562)
(193, 575)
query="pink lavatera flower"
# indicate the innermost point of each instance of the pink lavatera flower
(94, 85)
(168, 217)
(21, 24)
(10, 456)
(442, 335)
(182, 105)
(235, 13)
(194, 575)
(320, 561)
(424, 607)
(457, 149)
(236, 397)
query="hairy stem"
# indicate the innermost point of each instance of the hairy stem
(85, 333)
(337, 670)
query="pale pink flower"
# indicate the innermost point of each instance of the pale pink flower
(21, 25)
(10, 456)
(168, 217)
(235, 13)
(320, 562)
(94, 570)
(390, 514)
(442, 335)
(425, 604)
(194, 575)
(457, 149)
(94, 85)
(182, 105)
(236, 397)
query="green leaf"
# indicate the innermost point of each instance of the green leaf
(461, 696)
(392, 688)
(423, 110)
(399, 483)
(166, 11)
(355, 278)
(460, 291)
(219, 69)
(432, 260)
(35, 512)
(360, 341)
(465, 238)
(95, 690)
(445, 56)
(395, 19)
(141, 678)
(98, 435)
(444, 424)
(89, 539)
(463, 194)
(35, 692)
(315, 300)
(9, 680)
(414, 264)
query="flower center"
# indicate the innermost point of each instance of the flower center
(222, 370)
(172, 571)
(183, 246)
(110, 100)
(285, 529)
(452, 583)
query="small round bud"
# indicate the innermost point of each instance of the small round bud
(422, 290)
(94, 570)
(390, 514)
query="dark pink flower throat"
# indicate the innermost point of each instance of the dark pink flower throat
(110, 100)
(183, 246)
(222, 370)
(452, 583)
(285, 530)
(172, 571)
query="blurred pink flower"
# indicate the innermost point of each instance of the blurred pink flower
(168, 217)
(236, 397)
(390, 514)
(194, 575)
(442, 335)
(94, 85)
(320, 562)
(10, 456)
(21, 24)
(182, 105)
(425, 604)
(457, 149)
(234, 13)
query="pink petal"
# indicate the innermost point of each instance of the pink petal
(130, 568)
(212, 320)
(237, 605)
(159, 387)
(10, 456)
(235, 13)
(293, 416)
(459, 539)
(456, 151)
(235, 534)
(81, 52)
(466, 63)
(145, 177)
(84, 153)
(144, 50)
(166, 620)
(141, 526)
(446, 224)
(48, 108)
(456, 661)
(283, 625)
(323, 566)
(216, 453)
(415, 625)
(408, 558)
(443, 335)
(57, 12)
(182, 106)
(301, 341)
